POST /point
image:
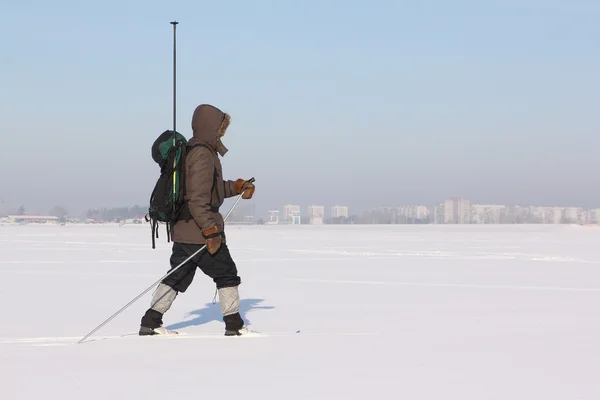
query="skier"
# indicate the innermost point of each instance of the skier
(201, 223)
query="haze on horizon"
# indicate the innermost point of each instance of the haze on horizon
(379, 103)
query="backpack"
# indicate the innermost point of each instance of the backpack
(167, 197)
(167, 204)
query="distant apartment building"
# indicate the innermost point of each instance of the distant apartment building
(291, 214)
(413, 212)
(339, 212)
(562, 215)
(437, 212)
(457, 211)
(421, 212)
(573, 215)
(552, 215)
(487, 213)
(536, 214)
(557, 215)
(316, 214)
(295, 218)
(594, 216)
(588, 217)
(273, 217)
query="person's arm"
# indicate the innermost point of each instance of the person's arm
(233, 188)
(230, 188)
(199, 187)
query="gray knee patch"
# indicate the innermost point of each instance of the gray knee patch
(230, 300)
(163, 298)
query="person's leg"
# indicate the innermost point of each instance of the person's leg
(222, 269)
(167, 290)
(162, 300)
(229, 298)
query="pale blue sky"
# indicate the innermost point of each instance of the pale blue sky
(361, 103)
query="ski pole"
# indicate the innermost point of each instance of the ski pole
(174, 23)
(160, 280)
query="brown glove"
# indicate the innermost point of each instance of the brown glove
(213, 239)
(246, 187)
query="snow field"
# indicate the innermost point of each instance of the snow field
(411, 312)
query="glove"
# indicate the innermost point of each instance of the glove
(246, 187)
(213, 239)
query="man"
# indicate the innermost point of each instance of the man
(203, 224)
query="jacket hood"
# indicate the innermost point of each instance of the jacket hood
(209, 125)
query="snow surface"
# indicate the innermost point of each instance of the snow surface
(384, 312)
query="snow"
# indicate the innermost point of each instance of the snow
(389, 312)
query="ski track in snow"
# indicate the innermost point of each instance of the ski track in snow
(452, 285)
(350, 312)
(74, 340)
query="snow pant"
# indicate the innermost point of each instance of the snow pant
(219, 266)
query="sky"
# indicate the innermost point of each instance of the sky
(332, 102)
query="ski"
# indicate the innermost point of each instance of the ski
(135, 336)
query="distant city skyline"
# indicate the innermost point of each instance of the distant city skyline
(452, 210)
(263, 206)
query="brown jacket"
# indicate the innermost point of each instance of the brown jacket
(202, 169)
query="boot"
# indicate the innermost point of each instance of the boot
(161, 330)
(234, 325)
(162, 300)
(230, 306)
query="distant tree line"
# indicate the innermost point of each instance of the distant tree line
(116, 214)
(59, 212)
